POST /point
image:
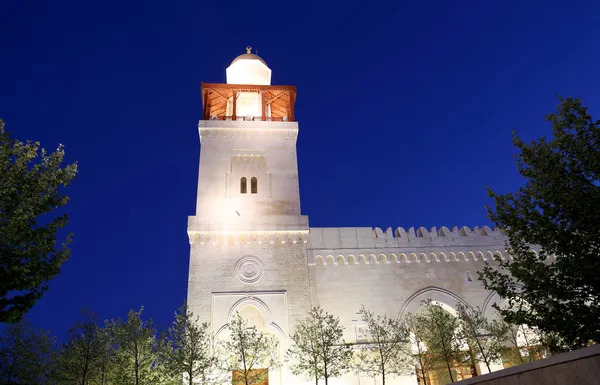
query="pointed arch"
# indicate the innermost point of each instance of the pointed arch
(437, 294)
(264, 311)
(243, 185)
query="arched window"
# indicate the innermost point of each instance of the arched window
(253, 185)
(243, 186)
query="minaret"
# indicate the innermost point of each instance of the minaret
(248, 237)
(248, 178)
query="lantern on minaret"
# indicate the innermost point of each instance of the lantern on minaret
(248, 94)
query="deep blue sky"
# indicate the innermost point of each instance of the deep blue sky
(405, 111)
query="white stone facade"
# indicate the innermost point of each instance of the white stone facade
(253, 251)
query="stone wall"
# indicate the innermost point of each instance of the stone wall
(249, 269)
(391, 272)
(580, 367)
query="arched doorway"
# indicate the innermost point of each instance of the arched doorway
(256, 315)
(441, 357)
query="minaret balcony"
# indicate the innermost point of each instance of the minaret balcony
(248, 102)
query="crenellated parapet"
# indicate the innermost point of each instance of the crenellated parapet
(368, 237)
(366, 245)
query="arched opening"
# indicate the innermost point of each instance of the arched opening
(523, 343)
(441, 356)
(253, 185)
(243, 186)
(254, 316)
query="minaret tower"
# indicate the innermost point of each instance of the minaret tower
(248, 237)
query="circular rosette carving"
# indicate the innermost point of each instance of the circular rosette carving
(249, 269)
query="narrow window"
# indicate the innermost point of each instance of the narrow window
(253, 185)
(469, 278)
(243, 186)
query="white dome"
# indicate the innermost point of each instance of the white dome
(248, 68)
(248, 56)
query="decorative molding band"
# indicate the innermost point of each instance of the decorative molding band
(258, 132)
(382, 258)
(248, 237)
(388, 258)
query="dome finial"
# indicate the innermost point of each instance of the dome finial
(248, 49)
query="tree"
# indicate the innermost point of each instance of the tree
(248, 353)
(385, 352)
(329, 355)
(441, 329)
(426, 361)
(190, 348)
(558, 210)
(483, 336)
(80, 360)
(105, 363)
(25, 355)
(136, 359)
(29, 194)
(521, 343)
(304, 354)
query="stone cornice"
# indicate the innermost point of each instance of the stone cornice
(299, 236)
(229, 129)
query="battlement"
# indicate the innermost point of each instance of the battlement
(369, 238)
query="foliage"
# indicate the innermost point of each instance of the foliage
(80, 361)
(190, 349)
(138, 349)
(105, 361)
(385, 352)
(485, 337)
(521, 343)
(329, 355)
(441, 335)
(29, 193)
(25, 355)
(558, 209)
(425, 360)
(247, 351)
(304, 354)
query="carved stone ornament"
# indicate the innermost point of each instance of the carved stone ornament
(249, 269)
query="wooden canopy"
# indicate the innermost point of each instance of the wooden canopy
(215, 98)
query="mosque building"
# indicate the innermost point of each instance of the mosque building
(253, 251)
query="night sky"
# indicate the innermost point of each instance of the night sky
(405, 112)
